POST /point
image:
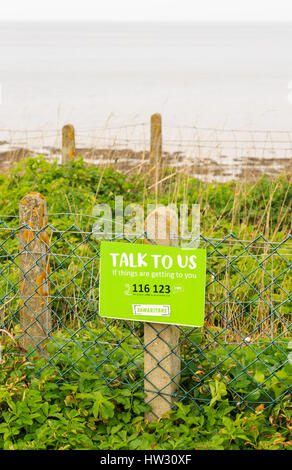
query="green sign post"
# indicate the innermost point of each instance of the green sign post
(151, 283)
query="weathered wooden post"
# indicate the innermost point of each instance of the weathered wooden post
(155, 151)
(161, 355)
(68, 143)
(35, 316)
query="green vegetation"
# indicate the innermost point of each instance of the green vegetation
(87, 392)
(44, 413)
(242, 208)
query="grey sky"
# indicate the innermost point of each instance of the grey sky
(147, 10)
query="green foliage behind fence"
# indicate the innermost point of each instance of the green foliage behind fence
(244, 350)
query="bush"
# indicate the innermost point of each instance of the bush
(39, 413)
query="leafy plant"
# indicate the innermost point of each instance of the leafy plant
(38, 413)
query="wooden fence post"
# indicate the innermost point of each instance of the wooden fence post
(162, 362)
(68, 143)
(155, 150)
(35, 315)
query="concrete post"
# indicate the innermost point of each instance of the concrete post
(155, 151)
(35, 315)
(161, 355)
(68, 143)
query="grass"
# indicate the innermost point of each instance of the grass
(240, 207)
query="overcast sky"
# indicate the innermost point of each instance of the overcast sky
(147, 10)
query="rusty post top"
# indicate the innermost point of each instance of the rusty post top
(68, 132)
(156, 119)
(68, 143)
(32, 195)
(33, 211)
(156, 130)
(68, 127)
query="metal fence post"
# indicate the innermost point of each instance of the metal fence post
(162, 362)
(35, 315)
(68, 143)
(155, 150)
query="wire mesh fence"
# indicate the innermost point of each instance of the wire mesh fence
(207, 153)
(243, 349)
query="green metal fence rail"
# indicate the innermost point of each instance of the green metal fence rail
(244, 346)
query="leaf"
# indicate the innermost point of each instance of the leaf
(259, 376)
(102, 407)
(107, 409)
(218, 390)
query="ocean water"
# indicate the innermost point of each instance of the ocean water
(220, 87)
(232, 75)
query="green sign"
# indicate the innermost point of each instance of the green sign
(158, 284)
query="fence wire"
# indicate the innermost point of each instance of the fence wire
(245, 343)
(211, 154)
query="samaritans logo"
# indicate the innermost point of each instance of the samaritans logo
(159, 310)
